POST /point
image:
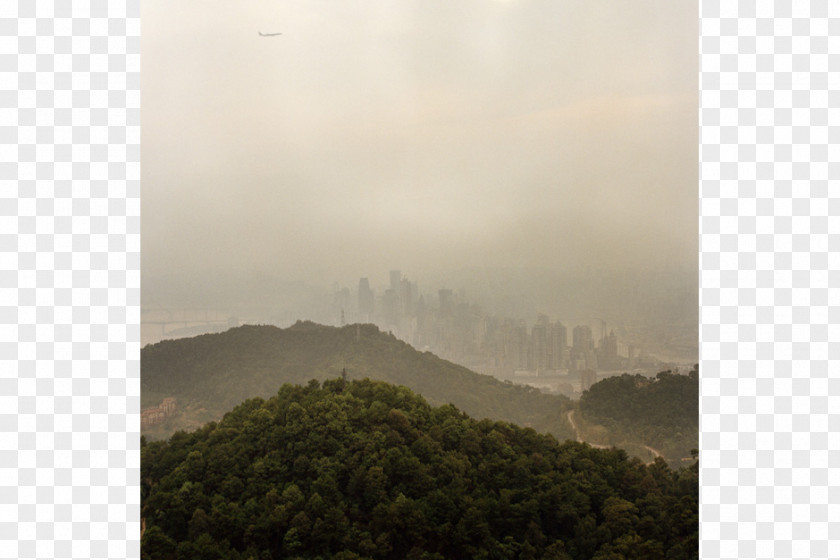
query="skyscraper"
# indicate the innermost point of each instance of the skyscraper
(396, 276)
(582, 338)
(557, 344)
(583, 349)
(539, 347)
(365, 300)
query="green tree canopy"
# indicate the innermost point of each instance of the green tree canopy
(370, 470)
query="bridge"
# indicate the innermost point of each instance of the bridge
(170, 320)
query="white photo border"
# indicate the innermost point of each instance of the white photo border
(70, 289)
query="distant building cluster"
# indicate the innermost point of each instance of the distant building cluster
(157, 414)
(448, 325)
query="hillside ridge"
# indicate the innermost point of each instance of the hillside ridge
(369, 470)
(210, 374)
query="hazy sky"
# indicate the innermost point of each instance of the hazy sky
(416, 135)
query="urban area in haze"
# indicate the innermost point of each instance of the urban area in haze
(524, 164)
(492, 205)
(639, 325)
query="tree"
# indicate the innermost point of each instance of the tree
(450, 487)
(157, 545)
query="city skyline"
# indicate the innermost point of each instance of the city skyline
(454, 325)
(421, 136)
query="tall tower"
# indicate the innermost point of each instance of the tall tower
(583, 349)
(396, 276)
(365, 299)
(557, 342)
(582, 338)
(539, 347)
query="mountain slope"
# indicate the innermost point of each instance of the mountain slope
(662, 412)
(210, 374)
(367, 470)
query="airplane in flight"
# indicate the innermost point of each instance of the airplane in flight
(268, 34)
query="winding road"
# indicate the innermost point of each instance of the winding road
(577, 433)
(655, 452)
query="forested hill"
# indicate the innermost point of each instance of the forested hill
(662, 412)
(210, 374)
(367, 470)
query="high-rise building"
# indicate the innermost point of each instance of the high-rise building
(608, 352)
(583, 349)
(582, 338)
(408, 293)
(391, 307)
(611, 346)
(557, 346)
(365, 300)
(520, 346)
(396, 276)
(540, 351)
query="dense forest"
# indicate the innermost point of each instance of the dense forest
(210, 374)
(363, 469)
(662, 412)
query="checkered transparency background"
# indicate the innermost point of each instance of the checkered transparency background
(69, 279)
(770, 234)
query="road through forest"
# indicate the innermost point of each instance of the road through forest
(577, 432)
(655, 452)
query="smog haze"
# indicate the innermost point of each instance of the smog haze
(465, 144)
